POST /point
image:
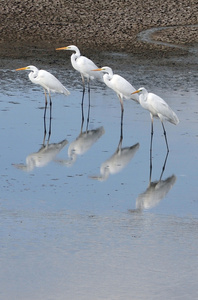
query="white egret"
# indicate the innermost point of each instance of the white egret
(83, 65)
(157, 108)
(120, 85)
(48, 81)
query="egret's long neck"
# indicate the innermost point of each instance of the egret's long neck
(33, 75)
(110, 72)
(143, 99)
(77, 52)
(107, 77)
(74, 57)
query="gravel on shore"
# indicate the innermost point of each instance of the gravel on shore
(96, 25)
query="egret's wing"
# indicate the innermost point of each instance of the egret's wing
(161, 108)
(121, 86)
(50, 82)
(86, 67)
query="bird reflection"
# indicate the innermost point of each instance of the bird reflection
(85, 140)
(155, 191)
(44, 155)
(119, 160)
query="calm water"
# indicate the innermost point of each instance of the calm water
(80, 221)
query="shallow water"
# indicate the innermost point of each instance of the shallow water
(67, 235)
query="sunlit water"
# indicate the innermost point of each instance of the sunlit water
(79, 219)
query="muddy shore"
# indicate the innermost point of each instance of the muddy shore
(95, 25)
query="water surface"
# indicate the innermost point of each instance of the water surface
(67, 230)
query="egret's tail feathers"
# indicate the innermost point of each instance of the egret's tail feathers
(170, 117)
(174, 119)
(66, 92)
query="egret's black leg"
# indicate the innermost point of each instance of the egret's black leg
(45, 104)
(121, 124)
(88, 117)
(121, 103)
(88, 85)
(82, 121)
(50, 116)
(50, 129)
(165, 137)
(44, 117)
(83, 93)
(164, 165)
(151, 149)
(121, 131)
(89, 102)
(45, 131)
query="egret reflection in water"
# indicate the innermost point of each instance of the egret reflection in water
(84, 141)
(119, 160)
(44, 155)
(156, 190)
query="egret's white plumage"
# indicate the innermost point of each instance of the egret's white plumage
(48, 81)
(157, 108)
(83, 65)
(120, 85)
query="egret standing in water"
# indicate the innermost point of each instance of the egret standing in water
(83, 65)
(157, 108)
(48, 81)
(120, 85)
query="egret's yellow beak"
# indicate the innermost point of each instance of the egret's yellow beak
(62, 48)
(135, 92)
(100, 69)
(20, 69)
